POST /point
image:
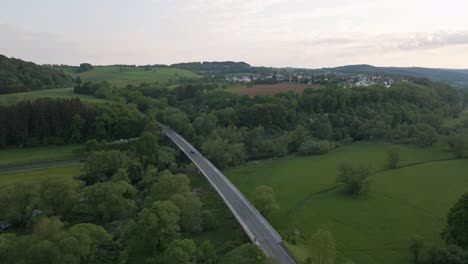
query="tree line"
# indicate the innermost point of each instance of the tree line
(58, 121)
(242, 128)
(231, 129)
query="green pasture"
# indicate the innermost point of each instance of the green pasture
(413, 200)
(61, 93)
(38, 154)
(121, 76)
(39, 175)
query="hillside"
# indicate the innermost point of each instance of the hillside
(214, 67)
(456, 78)
(20, 76)
(121, 75)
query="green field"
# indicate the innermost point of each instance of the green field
(413, 200)
(29, 155)
(62, 93)
(121, 76)
(39, 175)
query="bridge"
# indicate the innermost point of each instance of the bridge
(260, 232)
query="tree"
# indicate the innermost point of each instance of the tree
(322, 248)
(450, 254)
(46, 228)
(89, 239)
(189, 205)
(166, 158)
(181, 252)
(393, 157)
(456, 231)
(244, 254)
(18, 202)
(9, 252)
(311, 147)
(84, 67)
(325, 130)
(265, 200)
(425, 135)
(166, 186)
(206, 253)
(157, 226)
(58, 197)
(147, 148)
(43, 251)
(204, 124)
(415, 247)
(298, 135)
(458, 143)
(76, 128)
(102, 165)
(222, 153)
(120, 175)
(209, 222)
(354, 177)
(227, 116)
(108, 201)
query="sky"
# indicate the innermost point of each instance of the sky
(277, 33)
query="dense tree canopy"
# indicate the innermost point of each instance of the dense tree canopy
(456, 231)
(57, 121)
(21, 76)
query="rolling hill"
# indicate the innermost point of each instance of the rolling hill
(21, 76)
(454, 77)
(122, 75)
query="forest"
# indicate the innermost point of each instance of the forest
(231, 129)
(133, 203)
(20, 76)
(59, 121)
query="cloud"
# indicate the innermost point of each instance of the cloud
(329, 41)
(434, 40)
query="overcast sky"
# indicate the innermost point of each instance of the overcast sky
(296, 33)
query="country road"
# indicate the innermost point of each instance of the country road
(39, 165)
(255, 225)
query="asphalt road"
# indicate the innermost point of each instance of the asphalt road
(255, 225)
(38, 165)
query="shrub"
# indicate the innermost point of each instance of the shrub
(311, 147)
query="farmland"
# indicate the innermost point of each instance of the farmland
(121, 76)
(412, 200)
(270, 89)
(60, 93)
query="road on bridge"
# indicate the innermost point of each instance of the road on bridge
(255, 225)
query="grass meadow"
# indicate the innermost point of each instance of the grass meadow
(121, 76)
(29, 155)
(39, 175)
(61, 93)
(412, 200)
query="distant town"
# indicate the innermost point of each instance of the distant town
(336, 78)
